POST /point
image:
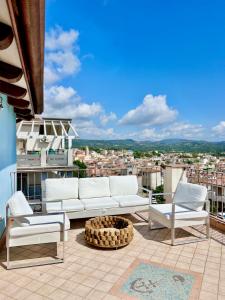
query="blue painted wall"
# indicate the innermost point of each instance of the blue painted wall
(7, 155)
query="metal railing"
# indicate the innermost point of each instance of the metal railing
(215, 183)
(29, 180)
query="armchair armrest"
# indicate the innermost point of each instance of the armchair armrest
(37, 214)
(144, 189)
(162, 194)
(9, 218)
(207, 202)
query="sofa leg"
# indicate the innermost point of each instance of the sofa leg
(173, 236)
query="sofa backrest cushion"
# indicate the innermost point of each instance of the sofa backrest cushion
(123, 185)
(191, 194)
(18, 205)
(61, 188)
(94, 187)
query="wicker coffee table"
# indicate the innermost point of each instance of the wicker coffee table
(108, 231)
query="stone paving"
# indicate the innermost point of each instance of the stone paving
(90, 273)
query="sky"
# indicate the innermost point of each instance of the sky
(137, 69)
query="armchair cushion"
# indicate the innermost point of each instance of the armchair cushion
(61, 188)
(190, 193)
(123, 185)
(130, 200)
(94, 187)
(180, 212)
(18, 205)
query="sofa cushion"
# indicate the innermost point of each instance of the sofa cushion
(94, 187)
(181, 212)
(191, 194)
(130, 200)
(67, 205)
(123, 185)
(18, 205)
(98, 203)
(46, 220)
(61, 188)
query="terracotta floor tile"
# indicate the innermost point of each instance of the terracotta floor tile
(82, 290)
(104, 286)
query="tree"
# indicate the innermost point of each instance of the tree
(81, 172)
(159, 189)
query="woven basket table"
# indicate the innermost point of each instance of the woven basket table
(108, 231)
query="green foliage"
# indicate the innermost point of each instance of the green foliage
(171, 145)
(159, 189)
(81, 172)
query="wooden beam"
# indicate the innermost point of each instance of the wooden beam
(9, 73)
(22, 117)
(19, 103)
(23, 112)
(6, 36)
(12, 90)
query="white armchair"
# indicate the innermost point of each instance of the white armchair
(190, 206)
(24, 227)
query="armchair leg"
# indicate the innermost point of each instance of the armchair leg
(172, 236)
(208, 228)
(149, 221)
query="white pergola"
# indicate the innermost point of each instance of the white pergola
(46, 130)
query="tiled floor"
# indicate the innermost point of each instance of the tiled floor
(90, 273)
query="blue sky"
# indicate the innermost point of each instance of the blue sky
(146, 70)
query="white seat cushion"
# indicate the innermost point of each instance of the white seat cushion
(18, 205)
(191, 194)
(130, 200)
(123, 185)
(34, 229)
(61, 188)
(67, 205)
(180, 211)
(98, 203)
(46, 220)
(94, 187)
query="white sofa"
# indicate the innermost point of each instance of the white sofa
(94, 196)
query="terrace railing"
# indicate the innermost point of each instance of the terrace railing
(215, 183)
(29, 180)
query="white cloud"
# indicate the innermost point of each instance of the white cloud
(175, 130)
(60, 95)
(219, 129)
(57, 38)
(64, 102)
(153, 111)
(186, 130)
(89, 129)
(104, 119)
(61, 57)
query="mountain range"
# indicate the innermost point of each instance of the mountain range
(167, 145)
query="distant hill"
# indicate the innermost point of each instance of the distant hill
(167, 145)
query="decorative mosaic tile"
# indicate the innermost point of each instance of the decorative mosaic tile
(145, 280)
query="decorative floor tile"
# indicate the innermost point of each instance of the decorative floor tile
(146, 280)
